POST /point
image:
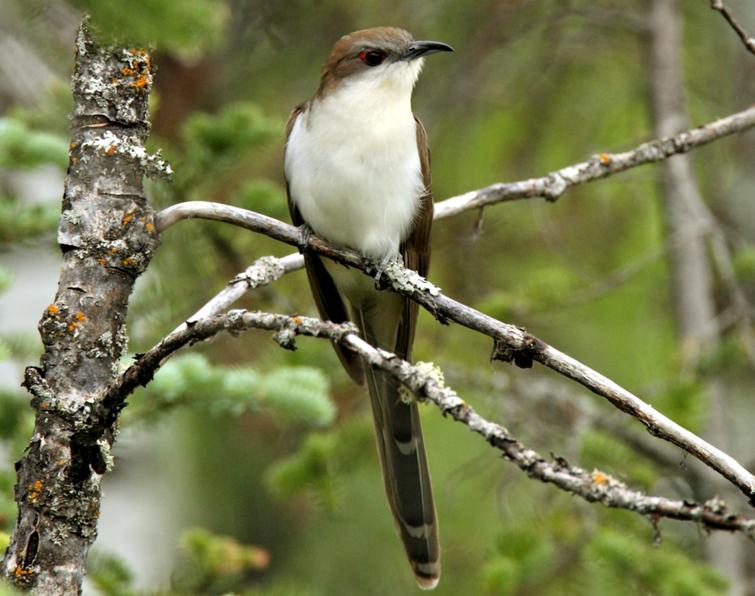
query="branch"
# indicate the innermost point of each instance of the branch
(426, 382)
(262, 272)
(550, 186)
(553, 185)
(512, 344)
(107, 236)
(235, 321)
(743, 35)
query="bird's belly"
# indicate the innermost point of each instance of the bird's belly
(355, 190)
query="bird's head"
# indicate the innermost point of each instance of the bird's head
(382, 56)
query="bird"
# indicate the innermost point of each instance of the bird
(357, 171)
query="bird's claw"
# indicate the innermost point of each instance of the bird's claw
(305, 233)
(381, 267)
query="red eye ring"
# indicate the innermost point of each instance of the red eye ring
(372, 57)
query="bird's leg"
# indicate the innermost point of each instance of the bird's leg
(305, 232)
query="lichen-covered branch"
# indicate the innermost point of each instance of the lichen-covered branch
(512, 343)
(553, 185)
(147, 364)
(747, 40)
(262, 272)
(426, 381)
(107, 235)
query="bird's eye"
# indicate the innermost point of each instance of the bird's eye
(372, 57)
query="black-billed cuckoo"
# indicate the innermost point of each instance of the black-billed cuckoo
(358, 174)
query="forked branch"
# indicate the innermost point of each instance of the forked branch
(426, 382)
(512, 343)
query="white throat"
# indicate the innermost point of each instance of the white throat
(352, 162)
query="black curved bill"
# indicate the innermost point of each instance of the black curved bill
(418, 49)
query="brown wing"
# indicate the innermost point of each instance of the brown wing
(328, 299)
(416, 248)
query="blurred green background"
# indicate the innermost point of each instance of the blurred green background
(247, 469)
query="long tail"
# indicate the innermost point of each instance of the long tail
(407, 479)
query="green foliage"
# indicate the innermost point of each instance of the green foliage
(685, 402)
(525, 557)
(560, 554)
(188, 27)
(6, 278)
(213, 143)
(45, 114)
(20, 346)
(110, 575)
(16, 424)
(21, 147)
(5, 589)
(744, 265)
(322, 463)
(284, 588)
(216, 564)
(264, 196)
(294, 394)
(19, 221)
(536, 87)
(666, 571)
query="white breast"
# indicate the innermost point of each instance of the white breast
(353, 166)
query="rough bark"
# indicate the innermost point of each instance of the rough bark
(691, 268)
(107, 236)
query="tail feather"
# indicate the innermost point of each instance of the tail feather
(407, 479)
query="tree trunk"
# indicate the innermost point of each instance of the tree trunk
(691, 269)
(107, 236)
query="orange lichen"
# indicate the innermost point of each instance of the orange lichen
(139, 69)
(72, 327)
(127, 218)
(80, 316)
(52, 309)
(110, 151)
(297, 320)
(102, 261)
(141, 81)
(605, 159)
(128, 262)
(35, 490)
(21, 574)
(599, 478)
(113, 250)
(150, 227)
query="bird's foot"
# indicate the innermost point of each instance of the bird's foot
(382, 265)
(305, 232)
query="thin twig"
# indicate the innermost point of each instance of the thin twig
(743, 35)
(425, 381)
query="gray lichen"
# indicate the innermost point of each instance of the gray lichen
(110, 144)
